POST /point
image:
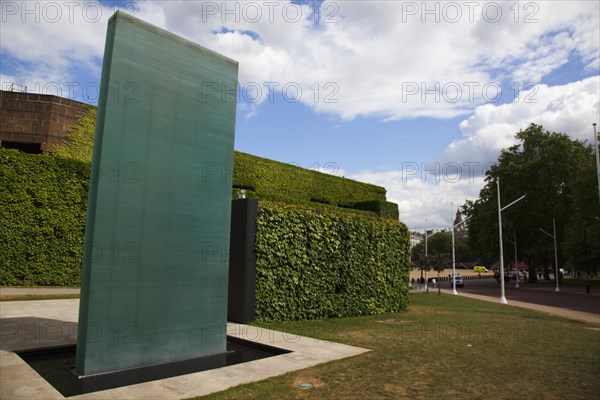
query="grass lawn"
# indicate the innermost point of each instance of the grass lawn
(445, 347)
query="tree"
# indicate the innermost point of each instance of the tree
(582, 233)
(439, 252)
(441, 242)
(462, 249)
(438, 262)
(553, 171)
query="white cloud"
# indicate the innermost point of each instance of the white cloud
(48, 44)
(367, 58)
(425, 198)
(570, 109)
(382, 60)
(362, 58)
(424, 191)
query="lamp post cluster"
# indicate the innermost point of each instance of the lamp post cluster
(553, 235)
(500, 241)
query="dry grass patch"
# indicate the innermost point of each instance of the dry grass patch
(445, 347)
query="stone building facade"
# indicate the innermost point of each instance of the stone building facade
(35, 122)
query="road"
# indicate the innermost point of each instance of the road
(534, 293)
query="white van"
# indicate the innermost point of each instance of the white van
(458, 279)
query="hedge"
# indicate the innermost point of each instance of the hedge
(265, 179)
(313, 265)
(307, 205)
(313, 260)
(277, 181)
(383, 208)
(42, 218)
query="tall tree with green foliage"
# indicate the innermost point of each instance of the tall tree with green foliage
(556, 173)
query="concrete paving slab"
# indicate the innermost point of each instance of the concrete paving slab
(21, 382)
(61, 310)
(8, 358)
(32, 389)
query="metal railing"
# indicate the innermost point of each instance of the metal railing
(15, 87)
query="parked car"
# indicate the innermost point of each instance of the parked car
(458, 279)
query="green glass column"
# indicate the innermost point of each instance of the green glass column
(154, 280)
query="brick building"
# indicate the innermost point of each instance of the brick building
(33, 123)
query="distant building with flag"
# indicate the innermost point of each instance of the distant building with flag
(460, 226)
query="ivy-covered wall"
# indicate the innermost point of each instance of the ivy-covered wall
(42, 218)
(268, 179)
(322, 246)
(312, 265)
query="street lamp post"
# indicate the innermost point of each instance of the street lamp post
(453, 251)
(516, 260)
(426, 285)
(585, 253)
(502, 296)
(453, 256)
(555, 252)
(500, 209)
(597, 158)
(587, 269)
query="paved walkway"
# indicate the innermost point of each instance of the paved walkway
(26, 291)
(46, 323)
(582, 316)
(580, 307)
(568, 304)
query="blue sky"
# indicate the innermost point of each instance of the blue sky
(418, 97)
